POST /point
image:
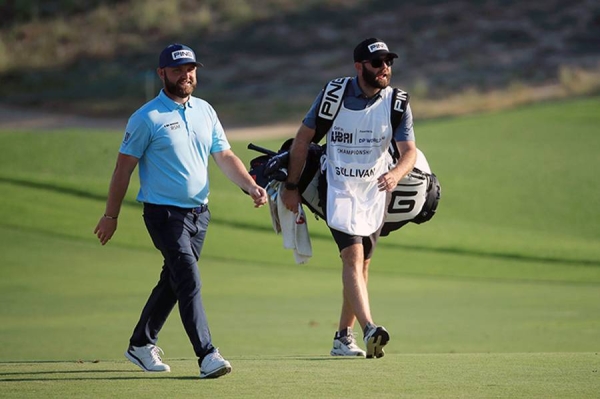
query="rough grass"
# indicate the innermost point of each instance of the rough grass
(265, 60)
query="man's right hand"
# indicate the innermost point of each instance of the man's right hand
(298, 152)
(291, 199)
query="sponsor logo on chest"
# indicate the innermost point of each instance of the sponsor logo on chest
(371, 140)
(172, 126)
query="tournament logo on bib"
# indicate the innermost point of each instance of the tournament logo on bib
(339, 136)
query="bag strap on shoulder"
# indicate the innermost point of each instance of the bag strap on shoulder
(331, 102)
(400, 100)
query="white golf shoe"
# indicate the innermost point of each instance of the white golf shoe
(213, 365)
(376, 337)
(344, 344)
(147, 358)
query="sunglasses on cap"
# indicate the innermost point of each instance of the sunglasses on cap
(378, 62)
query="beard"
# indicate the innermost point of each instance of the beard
(371, 79)
(180, 88)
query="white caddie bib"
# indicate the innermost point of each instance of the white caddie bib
(357, 155)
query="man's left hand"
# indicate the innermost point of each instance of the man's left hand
(259, 195)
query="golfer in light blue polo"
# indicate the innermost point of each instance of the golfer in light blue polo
(171, 138)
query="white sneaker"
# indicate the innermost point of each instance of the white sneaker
(213, 365)
(147, 358)
(345, 345)
(376, 337)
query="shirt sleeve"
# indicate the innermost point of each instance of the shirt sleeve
(310, 120)
(136, 138)
(219, 139)
(405, 131)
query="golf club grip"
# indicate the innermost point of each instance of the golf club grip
(261, 149)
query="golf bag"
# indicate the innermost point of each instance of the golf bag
(415, 198)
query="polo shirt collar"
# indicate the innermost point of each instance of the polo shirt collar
(170, 104)
(357, 91)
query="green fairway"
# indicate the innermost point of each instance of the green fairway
(497, 296)
(545, 375)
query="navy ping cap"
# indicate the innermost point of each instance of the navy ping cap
(177, 54)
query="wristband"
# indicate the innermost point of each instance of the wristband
(291, 186)
(110, 217)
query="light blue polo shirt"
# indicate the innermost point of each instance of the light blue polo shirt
(173, 143)
(356, 101)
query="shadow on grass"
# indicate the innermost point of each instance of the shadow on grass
(116, 378)
(59, 189)
(252, 227)
(78, 374)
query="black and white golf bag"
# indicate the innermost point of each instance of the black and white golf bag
(415, 198)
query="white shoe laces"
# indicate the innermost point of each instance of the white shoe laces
(352, 340)
(349, 340)
(154, 352)
(215, 355)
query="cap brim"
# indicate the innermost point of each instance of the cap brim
(378, 54)
(183, 62)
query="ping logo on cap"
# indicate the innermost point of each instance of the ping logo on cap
(183, 54)
(377, 46)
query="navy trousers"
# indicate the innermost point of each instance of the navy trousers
(179, 235)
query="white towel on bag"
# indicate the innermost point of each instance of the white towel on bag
(292, 225)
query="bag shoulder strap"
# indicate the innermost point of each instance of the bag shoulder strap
(331, 102)
(400, 100)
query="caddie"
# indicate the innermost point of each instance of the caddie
(360, 174)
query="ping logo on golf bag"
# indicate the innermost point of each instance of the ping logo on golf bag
(332, 98)
(400, 100)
